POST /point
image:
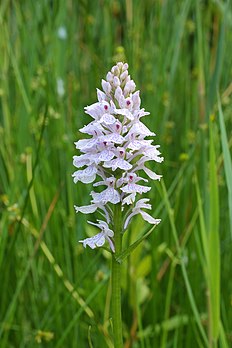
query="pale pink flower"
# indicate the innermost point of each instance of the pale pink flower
(116, 152)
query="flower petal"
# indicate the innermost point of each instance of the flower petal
(129, 199)
(130, 188)
(86, 209)
(112, 137)
(106, 155)
(107, 119)
(109, 195)
(92, 242)
(149, 218)
(118, 163)
(86, 176)
(140, 128)
(152, 174)
(100, 95)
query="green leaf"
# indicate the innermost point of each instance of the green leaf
(227, 161)
(214, 244)
(126, 252)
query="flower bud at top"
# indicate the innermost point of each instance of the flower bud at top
(124, 75)
(136, 100)
(118, 93)
(115, 70)
(125, 67)
(129, 87)
(106, 87)
(120, 65)
(109, 77)
(116, 81)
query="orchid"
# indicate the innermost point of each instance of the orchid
(114, 155)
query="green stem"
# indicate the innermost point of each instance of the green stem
(116, 279)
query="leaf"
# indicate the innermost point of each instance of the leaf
(214, 243)
(227, 161)
(126, 252)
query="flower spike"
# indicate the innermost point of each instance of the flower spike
(114, 155)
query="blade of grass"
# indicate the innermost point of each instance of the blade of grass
(79, 312)
(183, 268)
(214, 245)
(227, 160)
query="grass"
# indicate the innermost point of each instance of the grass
(177, 285)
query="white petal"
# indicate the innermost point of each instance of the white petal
(136, 100)
(116, 81)
(142, 203)
(108, 119)
(99, 183)
(129, 87)
(100, 95)
(108, 195)
(92, 129)
(118, 93)
(88, 241)
(92, 242)
(118, 163)
(127, 221)
(129, 199)
(111, 244)
(140, 128)
(138, 144)
(110, 233)
(103, 226)
(86, 209)
(125, 112)
(114, 196)
(130, 188)
(124, 75)
(112, 137)
(81, 143)
(109, 77)
(86, 144)
(106, 86)
(95, 110)
(106, 155)
(152, 174)
(82, 160)
(86, 176)
(149, 218)
(101, 241)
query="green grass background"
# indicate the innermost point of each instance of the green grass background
(177, 285)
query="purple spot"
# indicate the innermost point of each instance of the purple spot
(128, 102)
(105, 107)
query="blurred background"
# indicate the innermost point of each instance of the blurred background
(177, 285)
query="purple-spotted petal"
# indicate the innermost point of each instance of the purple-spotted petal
(130, 188)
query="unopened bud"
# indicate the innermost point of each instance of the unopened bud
(106, 87)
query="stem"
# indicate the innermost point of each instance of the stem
(116, 279)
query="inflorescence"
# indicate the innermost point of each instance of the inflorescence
(116, 152)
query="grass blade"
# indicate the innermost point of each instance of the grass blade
(227, 161)
(214, 245)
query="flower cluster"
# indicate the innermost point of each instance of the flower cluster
(117, 153)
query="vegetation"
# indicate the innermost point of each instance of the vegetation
(177, 285)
